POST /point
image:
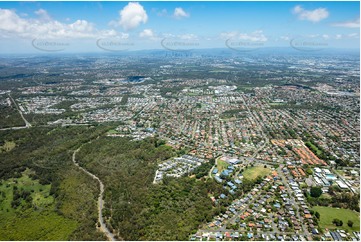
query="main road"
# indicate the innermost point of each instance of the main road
(265, 142)
(294, 202)
(27, 124)
(252, 116)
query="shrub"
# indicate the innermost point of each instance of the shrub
(316, 191)
(350, 223)
(337, 222)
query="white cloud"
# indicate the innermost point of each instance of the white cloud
(180, 13)
(325, 36)
(82, 26)
(285, 38)
(147, 33)
(188, 37)
(43, 14)
(354, 35)
(168, 35)
(162, 13)
(185, 37)
(12, 25)
(314, 16)
(132, 15)
(228, 35)
(255, 36)
(312, 36)
(347, 36)
(349, 24)
(11, 22)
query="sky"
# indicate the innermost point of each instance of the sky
(33, 27)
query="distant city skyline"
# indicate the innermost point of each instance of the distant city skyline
(32, 27)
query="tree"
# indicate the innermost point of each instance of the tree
(350, 223)
(337, 222)
(317, 214)
(235, 226)
(331, 190)
(316, 191)
(340, 162)
(259, 179)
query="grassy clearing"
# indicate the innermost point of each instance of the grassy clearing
(253, 172)
(113, 131)
(40, 193)
(326, 195)
(9, 145)
(31, 220)
(221, 165)
(328, 214)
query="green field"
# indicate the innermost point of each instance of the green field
(313, 148)
(33, 219)
(9, 145)
(253, 172)
(113, 131)
(328, 214)
(221, 165)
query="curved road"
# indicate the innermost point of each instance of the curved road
(103, 227)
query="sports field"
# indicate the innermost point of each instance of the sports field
(253, 172)
(328, 214)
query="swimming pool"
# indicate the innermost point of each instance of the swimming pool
(331, 177)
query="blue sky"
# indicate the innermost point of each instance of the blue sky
(83, 26)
